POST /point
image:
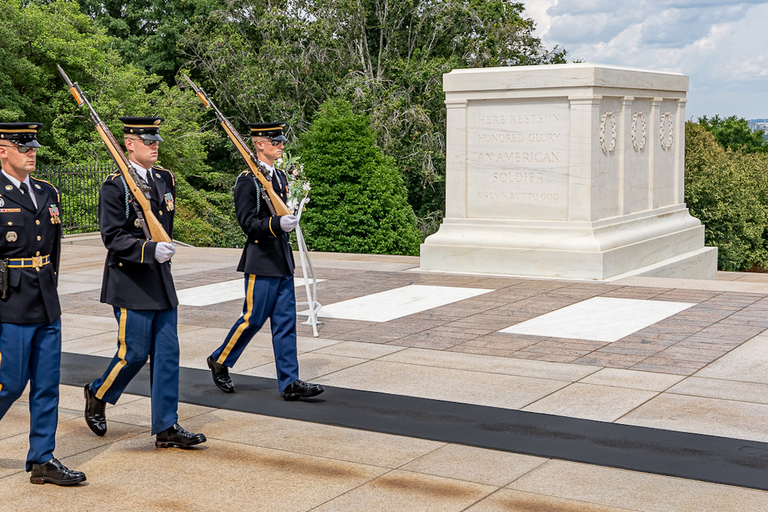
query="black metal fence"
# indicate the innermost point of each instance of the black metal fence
(79, 186)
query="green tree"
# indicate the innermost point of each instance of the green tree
(734, 133)
(40, 35)
(146, 33)
(281, 59)
(728, 191)
(358, 197)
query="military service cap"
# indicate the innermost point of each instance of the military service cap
(21, 134)
(272, 130)
(148, 128)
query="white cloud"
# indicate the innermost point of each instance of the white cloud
(720, 44)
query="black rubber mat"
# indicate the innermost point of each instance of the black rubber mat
(664, 452)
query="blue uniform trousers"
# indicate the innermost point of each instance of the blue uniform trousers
(32, 353)
(142, 334)
(273, 298)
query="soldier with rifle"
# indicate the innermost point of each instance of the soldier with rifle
(268, 264)
(267, 259)
(136, 209)
(138, 284)
(30, 314)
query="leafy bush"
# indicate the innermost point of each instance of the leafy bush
(728, 191)
(358, 200)
(734, 133)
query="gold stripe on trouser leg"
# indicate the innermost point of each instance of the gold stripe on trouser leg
(1, 365)
(243, 326)
(122, 349)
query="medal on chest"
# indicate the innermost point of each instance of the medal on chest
(54, 211)
(169, 202)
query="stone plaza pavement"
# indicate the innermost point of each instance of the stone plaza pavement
(698, 368)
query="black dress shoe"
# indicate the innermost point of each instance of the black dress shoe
(301, 389)
(177, 437)
(54, 472)
(94, 412)
(221, 376)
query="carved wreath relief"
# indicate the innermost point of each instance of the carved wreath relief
(638, 142)
(612, 145)
(666, 121)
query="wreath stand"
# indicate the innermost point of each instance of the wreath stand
(306, 262)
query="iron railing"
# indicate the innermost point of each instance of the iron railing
(79, 187)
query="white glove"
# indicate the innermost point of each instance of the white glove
(164, 251)
(288, 223)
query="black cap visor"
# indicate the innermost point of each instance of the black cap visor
(29, 143)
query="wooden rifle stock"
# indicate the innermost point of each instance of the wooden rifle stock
(254, 165)
(152, 227)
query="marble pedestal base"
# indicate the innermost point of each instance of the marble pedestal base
(666, 242)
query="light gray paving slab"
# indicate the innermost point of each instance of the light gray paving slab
(492, 364)
(699, 415)
(589, 401)
(100, 323)
(91, 345)
(632, 379)
(311, 366)
(443, 384)
(358, 349)
(747, 363)
(132, 475)
(408, 492)
(487, 467)
(69, 283)
(309, 344)
(313, 439)
(637, 491)
(724, 389)
(507, 500)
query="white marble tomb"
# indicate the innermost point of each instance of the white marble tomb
(569, 170)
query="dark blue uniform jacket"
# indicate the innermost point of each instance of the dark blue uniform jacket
(133, 279)
(267, 252)
(26, 231)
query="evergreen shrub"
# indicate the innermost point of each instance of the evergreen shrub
(358, 199)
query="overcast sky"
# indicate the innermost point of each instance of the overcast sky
(722, 45)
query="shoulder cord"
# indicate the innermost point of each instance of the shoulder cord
(125, 185)
(258, 195)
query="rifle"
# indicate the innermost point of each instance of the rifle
(275, 204)
(138, 189)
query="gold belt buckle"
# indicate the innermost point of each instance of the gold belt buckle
(37, 261)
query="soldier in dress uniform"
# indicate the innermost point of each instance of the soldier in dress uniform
(30, 315)
(137, 283)
(267, 262)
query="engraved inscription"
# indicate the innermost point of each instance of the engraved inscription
(518, 160)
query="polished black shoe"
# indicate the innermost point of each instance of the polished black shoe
(221, 376)
(54, 472)
(177, 437)
(94, 412)
(301, 389)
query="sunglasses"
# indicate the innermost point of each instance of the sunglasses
(145, 141)
(20, 149)
(271, 141)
